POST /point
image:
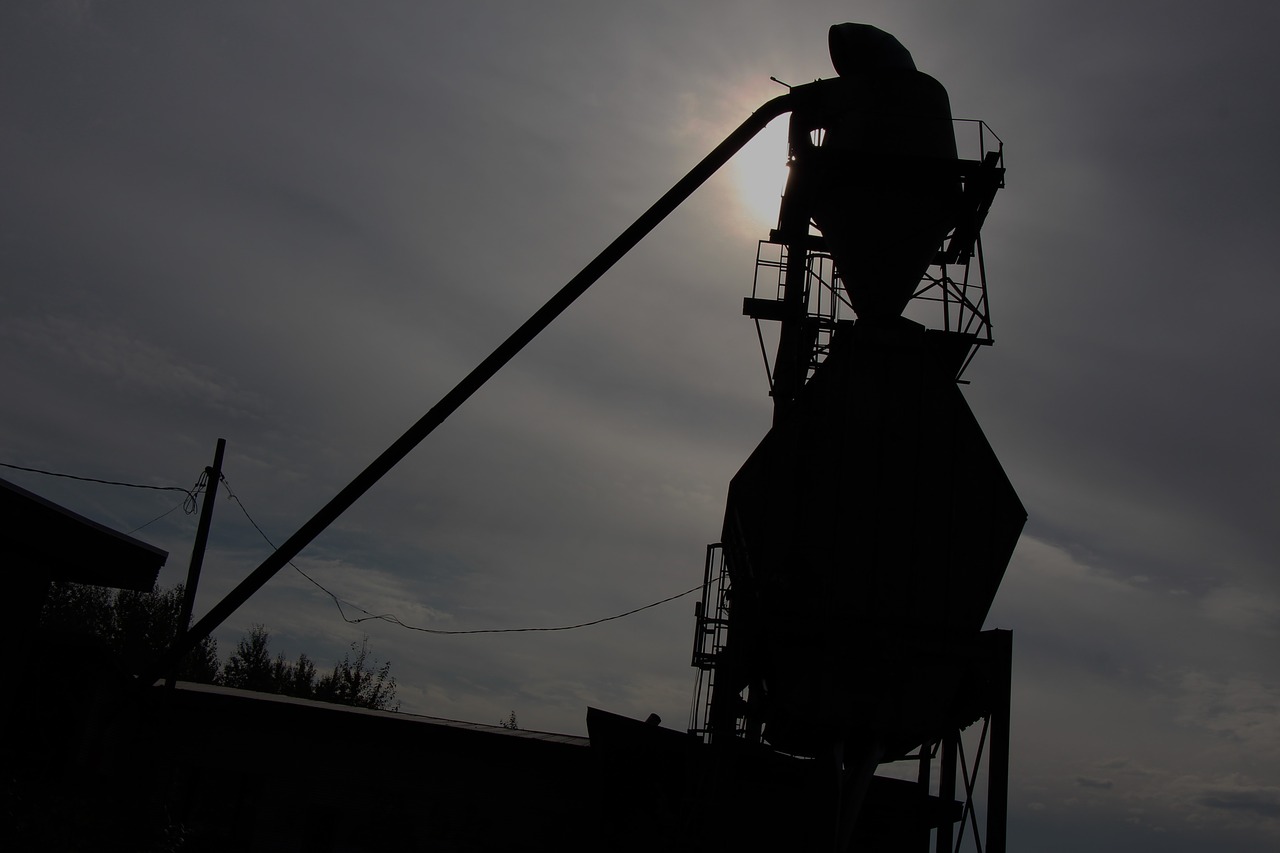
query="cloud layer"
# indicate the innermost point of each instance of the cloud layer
(297, 229)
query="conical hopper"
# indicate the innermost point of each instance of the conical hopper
(882, 184)
(883, 235)
(859, 569)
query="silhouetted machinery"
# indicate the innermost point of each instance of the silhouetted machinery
(864, 539)
(839, 630)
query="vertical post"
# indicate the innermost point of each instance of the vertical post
(213, 474)
(924, 783)
(792, 361)
(998, 747)
(947, 790)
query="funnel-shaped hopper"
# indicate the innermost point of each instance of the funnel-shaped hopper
(882, 185)
(883, 234)
(860, 570)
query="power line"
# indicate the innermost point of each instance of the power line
(392, 619)
(233, 496)
(395, 621)
(188, 504)
(189, 492)
(168, 511)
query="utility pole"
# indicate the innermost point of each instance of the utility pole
(213, 474)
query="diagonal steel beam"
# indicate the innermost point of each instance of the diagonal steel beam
(471, 383)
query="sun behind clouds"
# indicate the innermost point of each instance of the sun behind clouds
(760, 173)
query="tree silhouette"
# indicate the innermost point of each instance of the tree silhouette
(303, 676)
(358, 680)
(361, 682)
(136, 626)
(250, 667)
(139, 626)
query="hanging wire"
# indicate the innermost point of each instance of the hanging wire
(168, 511)
(392, 619)
(395, 621)
(189, 502)
(189, 492)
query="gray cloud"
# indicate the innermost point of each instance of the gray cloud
(297, 231)
(1263, 803)
(1099, 784)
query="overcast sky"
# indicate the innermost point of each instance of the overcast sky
(296, 225)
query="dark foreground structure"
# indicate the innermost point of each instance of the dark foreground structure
(283, 774)
(214, 769)
(848, 696)
(840, 627)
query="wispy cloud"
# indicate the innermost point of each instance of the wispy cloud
(128, 363)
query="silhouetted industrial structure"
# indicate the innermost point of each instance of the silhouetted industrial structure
(864, 539)
(839, 633)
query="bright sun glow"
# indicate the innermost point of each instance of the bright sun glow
(760, 173)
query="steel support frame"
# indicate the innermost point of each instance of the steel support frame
(958, 772)
(797, 275)
(960, 296)
(955, 766)
(711, 626)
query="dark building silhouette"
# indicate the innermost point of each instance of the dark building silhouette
(64, 690)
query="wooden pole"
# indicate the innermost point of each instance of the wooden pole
(213, 474)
